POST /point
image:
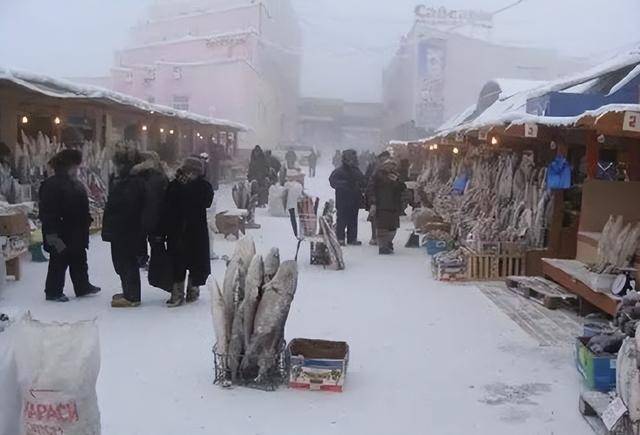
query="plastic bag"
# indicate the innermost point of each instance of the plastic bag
(58, 366)
(277, 201)
(10, 402)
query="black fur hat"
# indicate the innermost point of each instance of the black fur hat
(66, 159)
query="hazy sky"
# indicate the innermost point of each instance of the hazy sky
(347, 42)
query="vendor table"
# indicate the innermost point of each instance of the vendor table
(571, 275)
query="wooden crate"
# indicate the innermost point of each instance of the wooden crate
(485, 267)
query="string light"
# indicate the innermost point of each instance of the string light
(145, 128)
(435, 146)
(456, 150)
(162, 130)
(494, 140)
(57, 120)
(25, 120)
(170, 131)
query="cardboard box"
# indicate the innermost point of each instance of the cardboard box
(14, 225)
(598, 371)
(318, 364)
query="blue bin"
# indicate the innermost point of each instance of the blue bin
(436, 246)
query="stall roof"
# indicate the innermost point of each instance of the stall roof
(63, 89)
(512, 108)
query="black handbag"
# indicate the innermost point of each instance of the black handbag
(160, 268)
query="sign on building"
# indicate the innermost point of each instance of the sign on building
(443, 17)
(430, 83)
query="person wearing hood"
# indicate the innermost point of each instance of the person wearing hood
(258, 166)
(371, 170)
(385, 193)
(291, 158)
(122, 225)
(349, 183)
(274, 166)
(155, 179)
(188, 197)
(65, 217)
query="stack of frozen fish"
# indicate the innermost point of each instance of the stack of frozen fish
(250, 312)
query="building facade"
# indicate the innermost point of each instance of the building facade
(329, 124)
(441, 66)
(229, 59)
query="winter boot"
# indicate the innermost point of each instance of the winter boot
(177, 295)
(61, 298)
(193, 293)
(124, 303)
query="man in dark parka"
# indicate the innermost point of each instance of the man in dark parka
(348, 182)
(385, 192)
(122, 225)
(188, 197)
(64, 212)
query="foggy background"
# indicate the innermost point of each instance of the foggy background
(346, 42)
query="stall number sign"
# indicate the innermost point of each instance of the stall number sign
(614, 412)
(531, 130)
(631, 121)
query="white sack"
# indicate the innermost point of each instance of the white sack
(58, 366)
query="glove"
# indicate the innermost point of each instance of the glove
(56, 243)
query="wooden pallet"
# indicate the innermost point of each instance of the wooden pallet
(494, 267)
(541, 290)
(592, 404)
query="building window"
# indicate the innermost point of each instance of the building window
(180, 102)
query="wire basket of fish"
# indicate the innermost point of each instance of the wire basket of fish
(249, 377)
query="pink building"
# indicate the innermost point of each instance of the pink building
(233, 59)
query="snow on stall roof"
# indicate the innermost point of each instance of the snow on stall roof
(59, 88)
(512, 109)
(510, 87)
(458, 119)
(632, 75)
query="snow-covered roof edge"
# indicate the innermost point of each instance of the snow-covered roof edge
(60, 88)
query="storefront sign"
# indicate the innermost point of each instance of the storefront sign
(441, 16)
(531, 130)
(631, 121)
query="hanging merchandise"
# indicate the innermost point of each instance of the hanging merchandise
(559, 174)
(607, 171)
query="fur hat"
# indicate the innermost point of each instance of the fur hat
(66, 159)
(350, 158)
(194, 165)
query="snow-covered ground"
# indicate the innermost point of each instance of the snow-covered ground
(426, 357)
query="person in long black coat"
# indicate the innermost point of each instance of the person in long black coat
(259, 171)
(155, 181)
(122, 225)
(372, 167)
(65, 217)
(188, 197)
(385, 193)
(349, 184)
